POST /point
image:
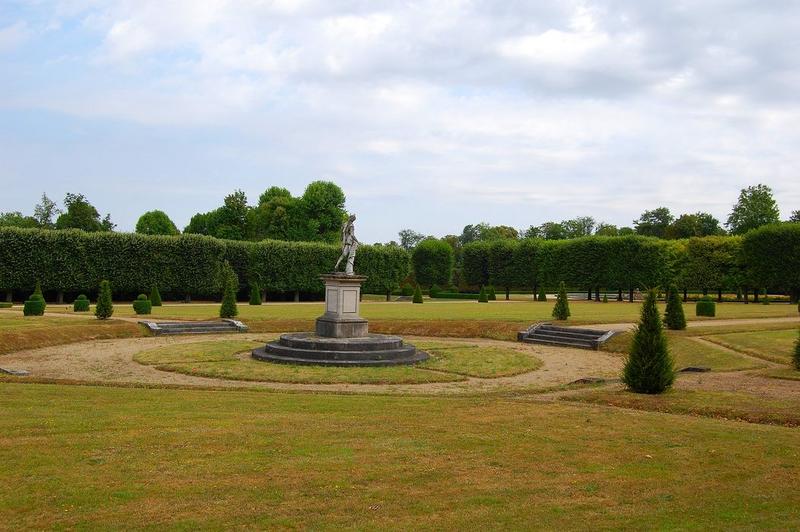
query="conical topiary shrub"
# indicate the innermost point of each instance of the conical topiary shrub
(542, 295)
(765, 301)
(483, 297)
(649, 367)
(81, 304)
(35, 305)
(561, 308)
(255, 294)
(796, 354)
(674, 316)
(490, 293)
(104, 308)
(155, 297)
(230, 283)
(605, 297)
(142, 305)
(417, 295)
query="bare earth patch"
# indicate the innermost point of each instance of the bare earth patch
(111, 361)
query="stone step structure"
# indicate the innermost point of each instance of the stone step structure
(548, 334)
(167, 328)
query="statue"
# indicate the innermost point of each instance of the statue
(349, 246)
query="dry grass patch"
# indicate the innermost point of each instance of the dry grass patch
(18, 333)
(189, 459)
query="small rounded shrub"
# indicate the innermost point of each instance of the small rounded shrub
(435, 291)
(142, 305)
(406, 290)
(705, 307)
(417, 295)
(81, 304)
(33, 307)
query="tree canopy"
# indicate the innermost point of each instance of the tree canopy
(80, 214)
(317, 215)
(755, 207)
(156, 223)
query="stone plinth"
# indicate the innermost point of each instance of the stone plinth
(342, 302)
(341, 337)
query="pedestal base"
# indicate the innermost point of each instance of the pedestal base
(309, 349)
(342, 328)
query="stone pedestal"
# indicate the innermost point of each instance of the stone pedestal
(341, 337)
(342, 302)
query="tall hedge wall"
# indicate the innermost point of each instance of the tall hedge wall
(772, 256)
(768, 257)
(74, 261)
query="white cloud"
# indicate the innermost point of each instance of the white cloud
(545, 109)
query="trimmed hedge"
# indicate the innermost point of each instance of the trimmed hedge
(6, 304)
(81, 304)
(142, 305)
(74, 261)
(706, 307)
(455, 295)
(33, 307)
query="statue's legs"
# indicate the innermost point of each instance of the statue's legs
(346, 253)
(351, 258)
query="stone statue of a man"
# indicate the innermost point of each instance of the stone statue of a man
(349, 246)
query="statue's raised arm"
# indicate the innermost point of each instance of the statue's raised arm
(349, 245)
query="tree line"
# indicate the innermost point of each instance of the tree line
(315, 216)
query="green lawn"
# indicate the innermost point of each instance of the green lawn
(477, 360)
(776, 346)
(686, 351)
(512, 311)
(451, 361)
(91, 457)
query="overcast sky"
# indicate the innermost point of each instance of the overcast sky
(430, 115)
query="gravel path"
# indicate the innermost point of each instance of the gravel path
(111, 361)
